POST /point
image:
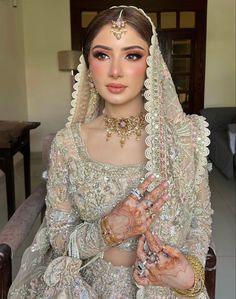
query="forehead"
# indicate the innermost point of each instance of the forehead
(131, 37)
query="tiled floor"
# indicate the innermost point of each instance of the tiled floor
(223, 203)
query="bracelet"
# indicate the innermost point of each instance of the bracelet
(109, 238)
(199, 278)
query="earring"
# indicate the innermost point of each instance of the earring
(92, 89)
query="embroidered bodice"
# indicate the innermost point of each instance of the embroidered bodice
(81, 191)
(90, 187)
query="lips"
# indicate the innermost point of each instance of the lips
(116, 88)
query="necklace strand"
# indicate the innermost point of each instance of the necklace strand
(124, 127)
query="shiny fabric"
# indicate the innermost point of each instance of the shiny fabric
(81, 191)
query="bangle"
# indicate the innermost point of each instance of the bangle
(109, 237)
(199, 278)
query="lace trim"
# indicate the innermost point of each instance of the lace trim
(80, 94)
(202, 142)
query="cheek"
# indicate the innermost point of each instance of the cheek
(96, 68)
(138, 71)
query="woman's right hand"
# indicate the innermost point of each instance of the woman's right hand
(134, 215)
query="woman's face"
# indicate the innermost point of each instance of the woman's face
(118, 67)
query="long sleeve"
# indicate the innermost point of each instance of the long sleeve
(199, 235)
(62, 215)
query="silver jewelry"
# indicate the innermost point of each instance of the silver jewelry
(141, 265)
(150, 213)
(142, 273)
(153, 258)
(165, 254)
(149, 203)
(137, 194)
(146, 247)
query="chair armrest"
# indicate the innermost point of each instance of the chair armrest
(210, 273)
(15, 232)
(20, 224)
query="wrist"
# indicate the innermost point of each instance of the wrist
(108, 234)
(190, 277)
(197, 278)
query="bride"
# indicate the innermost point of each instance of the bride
(128, 203)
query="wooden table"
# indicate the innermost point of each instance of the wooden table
(15, 137)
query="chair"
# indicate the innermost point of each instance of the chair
(221, 154)
(15, 137)
(20, 224)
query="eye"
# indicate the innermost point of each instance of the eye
(100, 55)
(134, 56)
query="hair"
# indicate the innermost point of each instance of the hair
(132, 16)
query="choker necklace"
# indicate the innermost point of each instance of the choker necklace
(125, 127)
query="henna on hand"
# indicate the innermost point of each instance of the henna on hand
(172, 268)
(132, 217)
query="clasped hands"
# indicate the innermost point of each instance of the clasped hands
(157, 263)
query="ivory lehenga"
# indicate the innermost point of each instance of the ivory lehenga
(66, 257)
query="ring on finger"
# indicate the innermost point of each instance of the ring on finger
(142, 273)
(141, 265)
(137, 194)
(149, 203)
(150, 214)
(154, 259)
(164, 253)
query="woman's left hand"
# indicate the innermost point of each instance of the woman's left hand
(158, 264)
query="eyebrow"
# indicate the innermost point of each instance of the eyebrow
(123, 49)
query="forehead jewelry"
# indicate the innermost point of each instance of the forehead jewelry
(118, 27)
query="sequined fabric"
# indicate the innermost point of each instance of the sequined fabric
(80, 192)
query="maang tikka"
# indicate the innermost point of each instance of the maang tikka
(118, 26)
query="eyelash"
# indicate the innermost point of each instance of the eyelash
(134, 56)
(100, 55)
(130, 56)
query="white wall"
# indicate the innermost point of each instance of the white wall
(46, 31)
(13, 103)
(220, 54)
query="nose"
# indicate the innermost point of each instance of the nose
(116, 68)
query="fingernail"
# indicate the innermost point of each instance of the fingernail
(166, 196)
(152, 176)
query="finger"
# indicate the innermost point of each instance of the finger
(140, 280)
(156, 192)
(151, 267)
(170, 251)
(149, 220)
(140, 249)
(163, 247)
(144, 185)
(152, 242)
(157, 206)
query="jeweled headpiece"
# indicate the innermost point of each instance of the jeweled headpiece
(118, 26)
